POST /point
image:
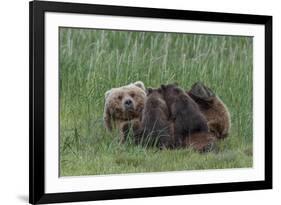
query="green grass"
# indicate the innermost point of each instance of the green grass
(93, 61)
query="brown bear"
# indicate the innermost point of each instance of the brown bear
(123, 106)
(213, 108)
(155, 129)
(184, 112)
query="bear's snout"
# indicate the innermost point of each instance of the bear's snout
(128, 104)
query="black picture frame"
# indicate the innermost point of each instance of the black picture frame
(37, 10)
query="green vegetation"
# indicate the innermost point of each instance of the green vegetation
(93, 61)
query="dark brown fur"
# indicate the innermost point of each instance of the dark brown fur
(213, 108)
(156, 129)
(201, 141)
(184, 112)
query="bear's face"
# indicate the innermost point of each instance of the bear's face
(155, 100)
(126, 102)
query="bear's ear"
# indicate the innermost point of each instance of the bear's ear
(107, 94)
(163, 87)
(149, 91)
(140, 84)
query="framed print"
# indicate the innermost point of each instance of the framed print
(130, 102)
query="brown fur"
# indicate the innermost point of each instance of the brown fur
(213, 108)
(201, 141)
(123, 105)
(184, 112)
(156, 129)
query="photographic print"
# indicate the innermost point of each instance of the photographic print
(129, 102)
(134, 101)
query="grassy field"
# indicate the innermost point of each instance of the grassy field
(93, 61)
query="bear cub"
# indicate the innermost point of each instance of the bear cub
(156, 129)
(213, 108)
(184, 113)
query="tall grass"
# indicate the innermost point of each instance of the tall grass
(93, 61)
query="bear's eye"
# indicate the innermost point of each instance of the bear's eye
(120, 97)
(132, 95)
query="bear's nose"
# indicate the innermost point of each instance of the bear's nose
(128, 102)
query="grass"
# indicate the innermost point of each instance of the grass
(93, 61)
